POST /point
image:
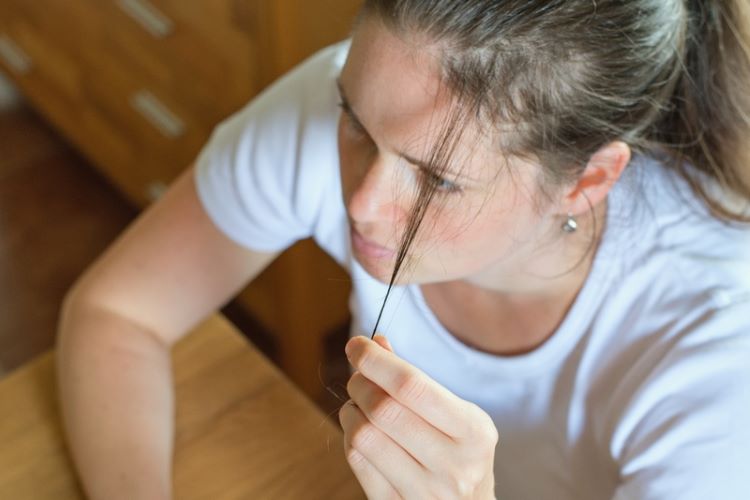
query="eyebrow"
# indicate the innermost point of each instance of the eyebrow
(414, 161)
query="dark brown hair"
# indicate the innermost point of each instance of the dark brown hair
(565, 77)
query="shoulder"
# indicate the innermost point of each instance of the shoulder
(667, 240)
(267, 174)
(676, 358)
(679, 297)
(679, 412)
(307, 92)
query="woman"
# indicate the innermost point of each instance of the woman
(556, 194)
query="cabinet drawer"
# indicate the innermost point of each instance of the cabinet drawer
(190, 55)
(182, 62)
(126, 113)
(55, 90)
(60, 83)
(165, 134)
(138, 85)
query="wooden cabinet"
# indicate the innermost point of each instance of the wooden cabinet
(138, 85)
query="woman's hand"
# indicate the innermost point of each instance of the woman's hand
(406, 436)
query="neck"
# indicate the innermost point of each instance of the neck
(553, 270)
(530, 304)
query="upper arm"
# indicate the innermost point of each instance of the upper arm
(260, 182)
(170, 268)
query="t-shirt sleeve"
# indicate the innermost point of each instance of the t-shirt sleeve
(686, 434)
(261, 176)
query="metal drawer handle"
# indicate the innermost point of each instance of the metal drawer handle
(148, 16)
(157, 113)
(15, 58)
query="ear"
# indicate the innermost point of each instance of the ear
(601, 173)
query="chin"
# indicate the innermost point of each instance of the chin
(382, 270)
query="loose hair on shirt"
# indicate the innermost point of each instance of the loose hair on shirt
(559, 79)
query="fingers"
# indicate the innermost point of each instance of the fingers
(382, 341)
(384, 469)
(417, 437)
(372, 481)
(410, 386)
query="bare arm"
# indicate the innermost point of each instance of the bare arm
(167, 271)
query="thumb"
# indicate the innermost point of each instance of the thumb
(382, 342)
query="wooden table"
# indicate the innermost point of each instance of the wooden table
(243, 431)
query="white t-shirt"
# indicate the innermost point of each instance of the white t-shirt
(644, 390)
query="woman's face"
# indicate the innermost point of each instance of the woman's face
(482, 223)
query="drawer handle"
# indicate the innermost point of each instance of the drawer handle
(157, 114)
(15, 58)
(148, 16)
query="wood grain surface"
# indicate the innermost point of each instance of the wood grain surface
(92, 70)
(243, 430)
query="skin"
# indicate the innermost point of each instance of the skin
(492, 243)
(491, 260)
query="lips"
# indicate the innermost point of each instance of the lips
(369, 248)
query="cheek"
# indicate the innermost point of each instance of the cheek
(475, 227)
(453, 219)
(345, 161)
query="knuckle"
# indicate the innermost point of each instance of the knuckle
(462, 488)
(465, 485)
(493, 435)
(342, 413)
(351, 383)
(410, 387)
(386, 410)
(354, 458)
(475, 475)
(482, 427)
(362, 437)
(363, 358)
(488, 432)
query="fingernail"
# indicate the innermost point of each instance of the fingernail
(348, 349)
(382, 341)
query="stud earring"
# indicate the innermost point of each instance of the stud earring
(570, 225)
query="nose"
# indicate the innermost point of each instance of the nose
(376, 198)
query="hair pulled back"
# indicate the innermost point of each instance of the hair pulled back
(568, 76)
(562, 78)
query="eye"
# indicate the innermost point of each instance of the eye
(442, 184)
(353, 124)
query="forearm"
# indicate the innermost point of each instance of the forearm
(117, 400)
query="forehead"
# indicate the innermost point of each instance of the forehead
(394, 87)
(383, 71)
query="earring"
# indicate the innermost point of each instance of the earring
(570, 225)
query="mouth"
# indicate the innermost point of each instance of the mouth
(369, 248)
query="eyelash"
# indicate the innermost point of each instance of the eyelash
(443, 184)
(352, 122)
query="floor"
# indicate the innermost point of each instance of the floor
(56, 215)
